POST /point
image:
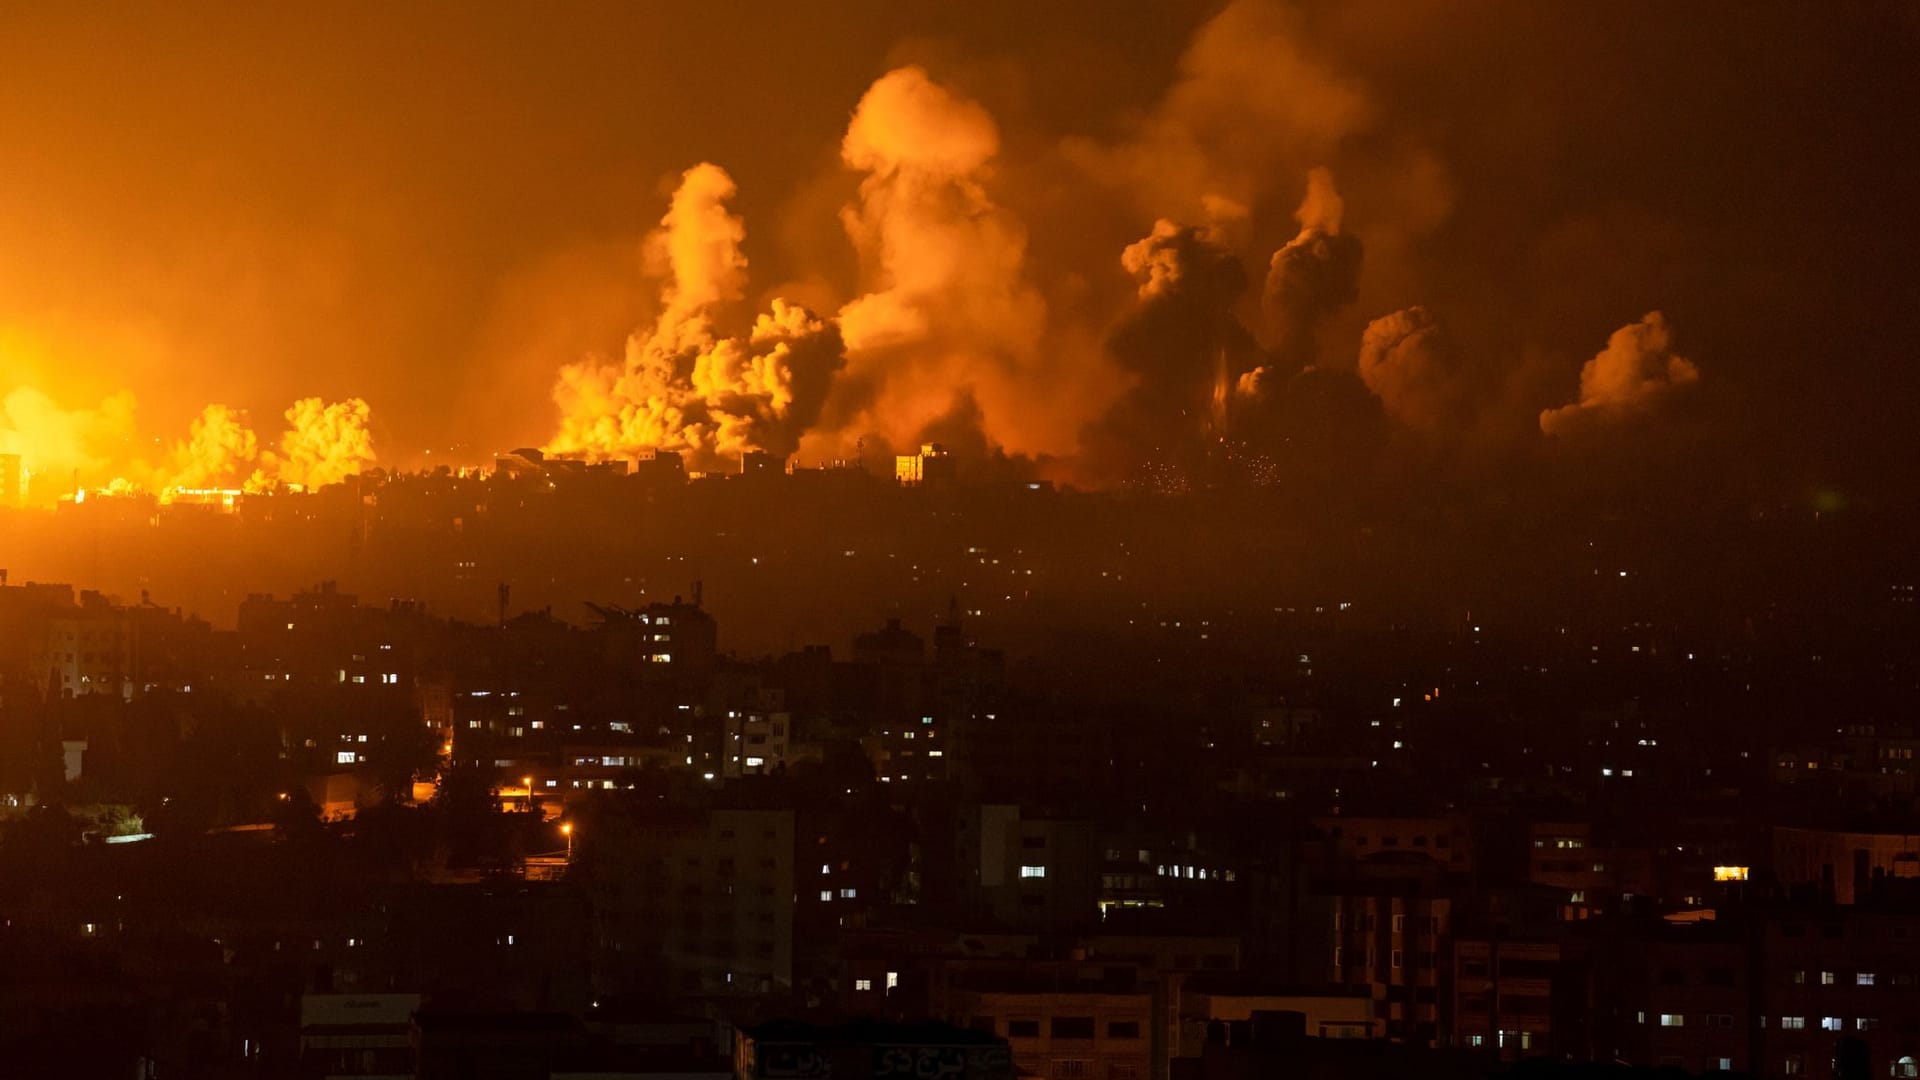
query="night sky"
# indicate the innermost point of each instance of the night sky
(1043, 234)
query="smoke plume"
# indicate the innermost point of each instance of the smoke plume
(680, 385)
(54, 443)
(326, 443)
(219, 452)
(949, 313)
(1314, 274)
(1411, 365)
(1249, 104)
(1635, 372)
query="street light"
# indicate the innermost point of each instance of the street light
(566, 830)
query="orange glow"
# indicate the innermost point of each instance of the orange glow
(67, 454)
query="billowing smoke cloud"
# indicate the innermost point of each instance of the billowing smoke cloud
(1183, 346)
(681, 386)
(95, 449)
(1635, 372)
(220, 452)
(325, 443)
(1314, 274)
(1176, 262)
(949, 313)
(1249, 105)
(1411, 365)
(54, 443)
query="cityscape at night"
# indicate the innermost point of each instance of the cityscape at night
(1208, 540)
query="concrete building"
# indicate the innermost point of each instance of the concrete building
(786, 1050)
(1062, 1028)
(363, 1036)
(694, 902)
(932, 465)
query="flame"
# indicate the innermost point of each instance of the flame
(69, 453)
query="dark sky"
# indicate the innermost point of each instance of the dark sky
(436, 208)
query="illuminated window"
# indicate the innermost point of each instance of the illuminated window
(1832, 1023)
(1033, 871)
(848, 894)
(1793, 1023)
(345, 757)
(826, 896)
(1826, 978)
(1672, 1020)
(863, 984)
(1864, 978)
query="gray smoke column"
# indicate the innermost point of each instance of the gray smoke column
(1313, 275)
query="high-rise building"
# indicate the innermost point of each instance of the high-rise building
(697, 902)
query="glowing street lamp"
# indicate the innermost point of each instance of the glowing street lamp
(566, 830)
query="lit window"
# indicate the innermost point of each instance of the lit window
(893, 980)
(1864, 978)
(1672, 1020)
(826, 896)
(1033, 871)
(849, 894)
(1832, 1023)
(1793, 1023)
(1826, 978)
(344, 757)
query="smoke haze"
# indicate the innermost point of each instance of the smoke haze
(1070, 242)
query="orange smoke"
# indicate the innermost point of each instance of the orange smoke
(1408, 362)
(680, 385)
(54, 443)
(64, 451)
(1635, 372)
(950, 319)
